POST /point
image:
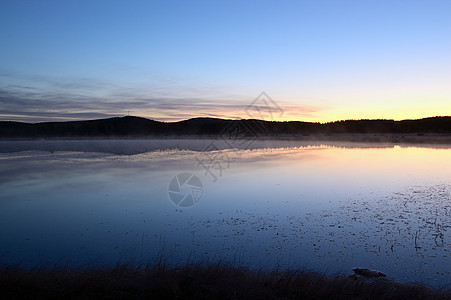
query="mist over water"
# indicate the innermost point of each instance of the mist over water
(325, 207)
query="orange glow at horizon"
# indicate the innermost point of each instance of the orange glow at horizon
(322, 117)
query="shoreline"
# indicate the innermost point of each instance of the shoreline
(201, 282)
(354, 137)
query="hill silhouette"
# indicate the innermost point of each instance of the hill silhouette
(130, 126)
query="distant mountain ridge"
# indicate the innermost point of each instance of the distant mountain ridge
(130, 126)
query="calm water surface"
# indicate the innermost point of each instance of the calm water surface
(327, 208)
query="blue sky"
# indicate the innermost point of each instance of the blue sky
(171, 60)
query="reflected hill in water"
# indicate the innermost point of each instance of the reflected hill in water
(138, 146)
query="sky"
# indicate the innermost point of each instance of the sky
(170, 60)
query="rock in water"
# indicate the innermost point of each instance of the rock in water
(353, 277)
(368, 273)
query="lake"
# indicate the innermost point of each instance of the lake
(326, 207)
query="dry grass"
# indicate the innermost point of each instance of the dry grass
(196, 282)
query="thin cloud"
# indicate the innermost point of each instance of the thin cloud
(80, 100)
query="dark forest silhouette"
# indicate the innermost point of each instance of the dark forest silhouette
(140, 127)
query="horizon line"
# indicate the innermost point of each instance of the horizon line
(228, 119)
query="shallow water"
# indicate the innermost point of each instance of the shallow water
(328, 208)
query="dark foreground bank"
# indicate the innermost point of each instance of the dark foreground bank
(198, 282)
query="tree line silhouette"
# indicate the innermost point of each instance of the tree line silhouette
(130, 126)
